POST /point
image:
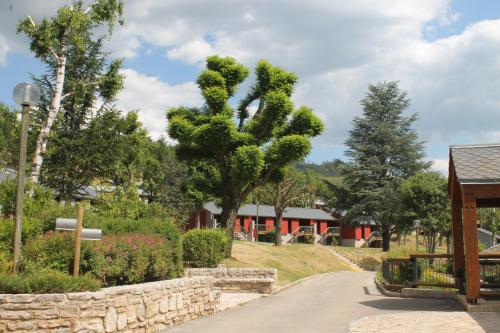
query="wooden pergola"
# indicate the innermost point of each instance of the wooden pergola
(474, 182)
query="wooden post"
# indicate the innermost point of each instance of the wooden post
(472, 278)
(78, 239)
(458, 236)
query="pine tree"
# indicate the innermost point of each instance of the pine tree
(383, 149)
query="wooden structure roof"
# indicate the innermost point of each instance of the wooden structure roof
(474, 182)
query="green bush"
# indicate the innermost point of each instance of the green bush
(268, 237)
(116, 260)
(5, 262)
(204, 248)
(369, 263)
(132, 259)
(46, 282)
(54, 251)
(306, 239)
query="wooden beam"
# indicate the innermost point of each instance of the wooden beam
(458, 236)
(456, 219)
(473, 283)
(483, 190)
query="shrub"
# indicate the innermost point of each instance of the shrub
(135, 259)
(268, 237)
(204, 248)
(116, 260)
(46, 282)
(369, 263)
(306, 239)
(54, 251)
(5, 262)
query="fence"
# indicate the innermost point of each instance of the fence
(436, 270)
(489, 270)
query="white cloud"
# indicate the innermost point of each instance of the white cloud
(152, 98)
(440, 165)
(4, 48)
(192, 52)
(336, 47)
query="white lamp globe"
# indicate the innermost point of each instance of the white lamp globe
(26, 94)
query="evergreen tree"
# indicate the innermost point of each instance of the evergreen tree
(383, 149)
(426, 195)
(60, 41)
(241, 154)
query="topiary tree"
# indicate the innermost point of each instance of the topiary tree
(239, 151)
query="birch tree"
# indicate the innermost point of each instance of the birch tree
(51, 40)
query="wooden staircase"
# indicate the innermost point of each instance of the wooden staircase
(329, 232)
(374, 238)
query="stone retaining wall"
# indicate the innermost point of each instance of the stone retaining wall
(147, 307)
(255, 280)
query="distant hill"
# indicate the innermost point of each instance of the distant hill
(325, 169)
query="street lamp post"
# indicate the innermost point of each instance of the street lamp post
(416, 225)
(26, 95)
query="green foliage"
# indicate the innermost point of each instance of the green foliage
(245, 155)
(383, 150)
(46, 282)
(169, 182)
(71, 46)
(268, 237)
(54, 251)
(204, 248)
(369, 264)
(121, 203)
(5, 261)
(426, 195)
(116, 260)
(109, 146)
(136, 258)
(9, 137)
(70, 27)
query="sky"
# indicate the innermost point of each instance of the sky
(444, 53)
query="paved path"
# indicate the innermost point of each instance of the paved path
(328, 303)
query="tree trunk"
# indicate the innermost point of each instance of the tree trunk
(386, 238)
(277, 236)
(198, 217)
(404, 237)
(55, 105)
(228, 216)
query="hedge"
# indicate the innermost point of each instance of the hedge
(115, 260)
(204, 248)
(46, 282)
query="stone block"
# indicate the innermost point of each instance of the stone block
(152, 309)
(15, 315)
(52, 324)
(89, 325)
(110, 320)
(122, 321)
(20, 326)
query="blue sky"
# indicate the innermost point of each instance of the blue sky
(444, 53)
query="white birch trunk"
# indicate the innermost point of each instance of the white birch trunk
(55, 105)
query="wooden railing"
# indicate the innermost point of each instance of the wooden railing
(436, 270)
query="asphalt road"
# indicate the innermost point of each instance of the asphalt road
(327, 303)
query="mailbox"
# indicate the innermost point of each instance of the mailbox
(65, 224)
(91, 234)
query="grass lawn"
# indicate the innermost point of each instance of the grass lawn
(360, 255)
(293, 262)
